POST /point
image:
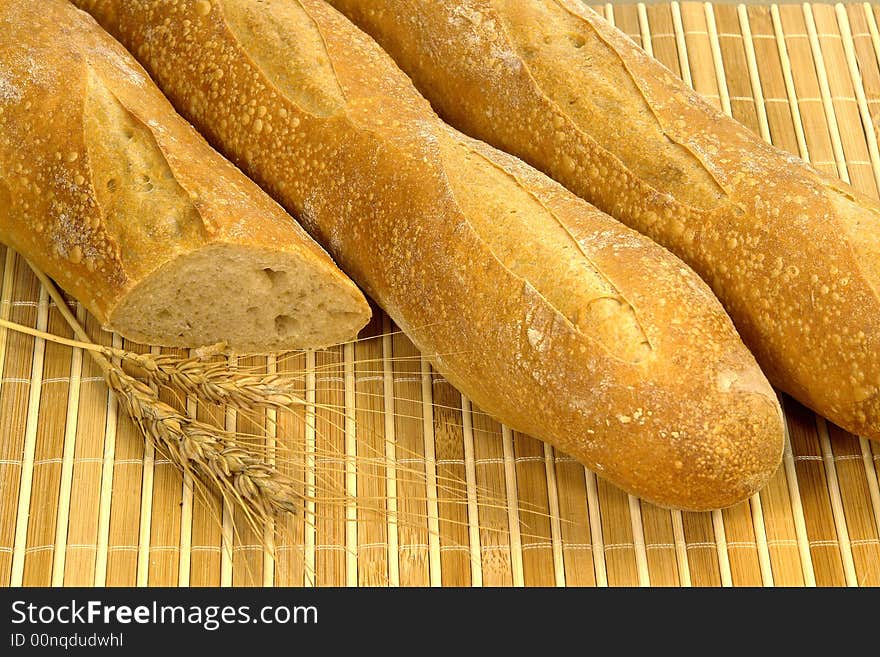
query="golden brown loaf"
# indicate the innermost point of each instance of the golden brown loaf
(108, 190)
(793, 254)
(550, 315)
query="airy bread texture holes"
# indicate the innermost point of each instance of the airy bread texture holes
(286, 325)
(277, 278)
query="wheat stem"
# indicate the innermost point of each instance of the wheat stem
(210, 452)
(194, 446)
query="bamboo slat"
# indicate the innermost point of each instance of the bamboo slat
(405, 481)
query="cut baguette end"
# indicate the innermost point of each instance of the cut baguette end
(252, 299)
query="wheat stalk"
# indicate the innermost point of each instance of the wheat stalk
(232, 462)
(208, 452)
(216, 382)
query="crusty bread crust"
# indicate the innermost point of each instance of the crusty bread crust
(108, 190)
(793, 254)
(605, 345)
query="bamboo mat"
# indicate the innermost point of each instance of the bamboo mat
(83, 502)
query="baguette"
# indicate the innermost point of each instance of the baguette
(793, 254)
(551, 316)
(106, 189)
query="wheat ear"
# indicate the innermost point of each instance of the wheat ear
(210, 453)
(215, 382)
